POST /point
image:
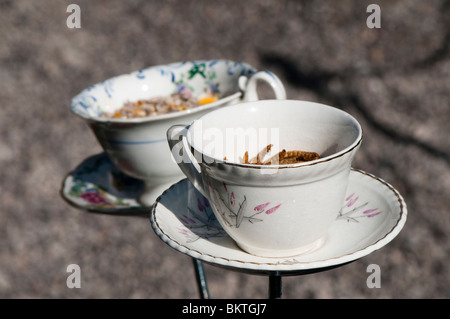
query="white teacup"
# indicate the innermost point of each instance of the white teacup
(138, 146)
(270, 210)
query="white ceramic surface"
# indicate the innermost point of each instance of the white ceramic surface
(138, 147)
(372, 215)
(271, 210)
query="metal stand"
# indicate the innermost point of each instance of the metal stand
(275, 289)
(200, 276)
(275, 284)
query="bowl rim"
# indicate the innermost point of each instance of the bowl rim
(98, 119)
(325, 159)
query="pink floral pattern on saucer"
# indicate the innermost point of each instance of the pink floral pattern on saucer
(200, 222)
(94, 196)
(373, 214)
(233, 211)
(97, 185)
(353, 210)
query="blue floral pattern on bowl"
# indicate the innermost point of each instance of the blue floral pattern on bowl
(215, 76)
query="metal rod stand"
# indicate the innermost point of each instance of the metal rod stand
(200, 276)
(275, 289)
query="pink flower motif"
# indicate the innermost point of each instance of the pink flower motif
(183, 232)
(358, 211)
(273, 209)
(368, 211)
(261, 207)
(187, 220)
(205, 201)
(199, 205)
(374, 214)
(93, 197)
(353, 201)
(184, 91)
(350, 196)
(232, 199)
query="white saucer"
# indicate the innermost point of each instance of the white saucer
(96, 185)
(373, 214)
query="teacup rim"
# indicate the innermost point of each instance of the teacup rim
(197, 109)
(295, 165)
(328, 158)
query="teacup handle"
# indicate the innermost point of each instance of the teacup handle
(249, 85)
(176, 136)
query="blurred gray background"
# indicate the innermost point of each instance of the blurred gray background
(395, 80)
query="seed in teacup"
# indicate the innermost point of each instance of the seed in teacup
(246, 158)
(281, 158)
(175, 102)
(297, 156)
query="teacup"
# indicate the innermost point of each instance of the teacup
(138, 146)
(270, 210)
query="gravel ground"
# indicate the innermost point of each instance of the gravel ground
(395, 80)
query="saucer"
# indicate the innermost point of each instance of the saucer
(372, 215)
(96, 185)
